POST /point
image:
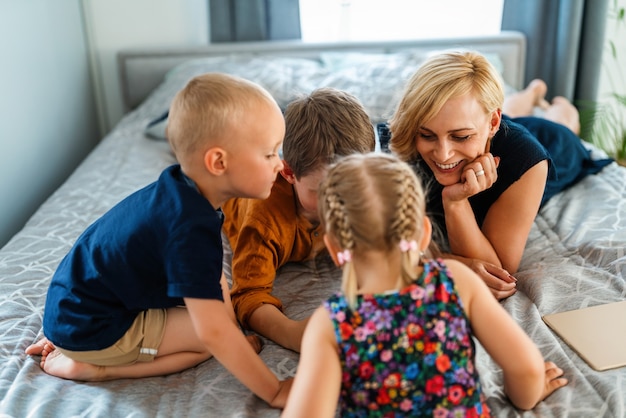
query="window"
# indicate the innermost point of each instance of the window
(363, 20)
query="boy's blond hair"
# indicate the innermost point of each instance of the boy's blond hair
(323, 125)
(202, 113)
(371, 202)
(440, 78)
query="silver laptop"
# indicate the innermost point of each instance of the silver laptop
(597, 333)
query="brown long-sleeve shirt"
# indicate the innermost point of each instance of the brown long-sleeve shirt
(265, 235)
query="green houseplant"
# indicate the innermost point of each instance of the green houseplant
(603, 122)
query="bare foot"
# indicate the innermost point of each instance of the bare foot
(56, 364)
(37, 348)
(539, 89)
(523, 102)
(256, 342)
(562, 111)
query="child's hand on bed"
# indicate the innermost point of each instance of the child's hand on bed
(554, 379)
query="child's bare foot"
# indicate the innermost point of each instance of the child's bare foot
(37, 348)
(56, 364)
(256, 342)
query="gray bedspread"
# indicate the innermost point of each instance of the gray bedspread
(575, 257)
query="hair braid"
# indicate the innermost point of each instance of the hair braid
(371, 202)
(338, 221)
(405, 222)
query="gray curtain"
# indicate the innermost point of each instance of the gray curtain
(565, 43)
(254, 20)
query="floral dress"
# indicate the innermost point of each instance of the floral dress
(408, 353)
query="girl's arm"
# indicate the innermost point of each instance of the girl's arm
(318, 380)
(214, 326)
(506, 227)
(527, 379)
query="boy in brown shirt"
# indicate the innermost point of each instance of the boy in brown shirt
(265, 235)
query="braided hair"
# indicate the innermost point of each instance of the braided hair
(369, 202)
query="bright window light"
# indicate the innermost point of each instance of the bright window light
(366, 20)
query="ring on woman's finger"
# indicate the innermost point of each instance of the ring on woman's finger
(480, 173)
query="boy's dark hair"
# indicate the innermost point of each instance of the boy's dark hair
(326, 124)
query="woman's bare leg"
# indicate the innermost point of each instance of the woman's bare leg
(564, 112)
(524, 102)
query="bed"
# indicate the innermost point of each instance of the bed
(575, 256)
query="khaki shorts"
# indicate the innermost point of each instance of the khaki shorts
(140, 343)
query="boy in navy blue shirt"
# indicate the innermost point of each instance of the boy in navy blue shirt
(141, 293)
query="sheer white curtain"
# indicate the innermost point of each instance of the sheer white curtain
(356, 20)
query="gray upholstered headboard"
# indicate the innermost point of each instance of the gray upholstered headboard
(142, 70)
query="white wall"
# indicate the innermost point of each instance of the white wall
(51, 113)
(47, 112)
(116, 24)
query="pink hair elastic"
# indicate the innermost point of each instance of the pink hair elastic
(344, 257)
(408, 245)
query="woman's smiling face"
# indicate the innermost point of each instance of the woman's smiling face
(455, 136)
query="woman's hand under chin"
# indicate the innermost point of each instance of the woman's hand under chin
(477, 176)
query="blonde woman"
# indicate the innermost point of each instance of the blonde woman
(487, 174)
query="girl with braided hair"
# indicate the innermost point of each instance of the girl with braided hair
(397, 340)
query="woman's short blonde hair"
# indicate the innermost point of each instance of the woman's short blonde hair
(442, 77)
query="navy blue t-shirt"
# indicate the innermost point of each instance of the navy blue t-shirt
(157, 246)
